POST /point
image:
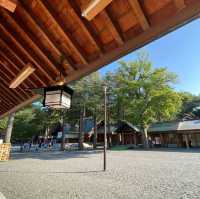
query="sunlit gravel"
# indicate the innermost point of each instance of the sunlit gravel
(74, 175)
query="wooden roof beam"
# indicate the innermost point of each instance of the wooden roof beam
(13, 96)
(5, 101)
(16, 91)
(153, 33)
(9, 96)
(9, 79)
(94, 8)
(22, 75)
(9, 4)
(180, 4)
(45, 34)
(21, 62)
(36, 45)
(83, 24)
(135, 5)
(73, 44)
(26, 52)
(4, 96)
(16, 68)
(21, 105)
(111, 26)
(3, 107)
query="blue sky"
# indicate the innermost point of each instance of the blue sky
(179, 51)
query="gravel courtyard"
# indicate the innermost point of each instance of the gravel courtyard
(130, 174)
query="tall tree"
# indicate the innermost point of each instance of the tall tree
(146, 93)
(87, 100)
(191, 106)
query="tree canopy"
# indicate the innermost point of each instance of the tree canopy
(137, 92)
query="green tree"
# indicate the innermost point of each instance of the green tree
(87, 101)
(146, 93)
(23, 126)
(190, 106)
(3, 123)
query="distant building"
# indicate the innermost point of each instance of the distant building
(175, 134)
(121, 133)
(127, 133)
(72, 133)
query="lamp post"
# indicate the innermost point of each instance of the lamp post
(105, 127)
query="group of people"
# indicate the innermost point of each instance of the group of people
(45, 145)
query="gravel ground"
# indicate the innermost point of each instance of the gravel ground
(75, 175)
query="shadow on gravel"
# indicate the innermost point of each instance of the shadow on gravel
(54, 155)
(174, 150)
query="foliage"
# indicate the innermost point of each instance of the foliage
(3, 124)
(87, 95)
(23, 127)
(30, 122)
(191, 106)
(145, 92)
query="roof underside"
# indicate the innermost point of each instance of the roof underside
(54, 37)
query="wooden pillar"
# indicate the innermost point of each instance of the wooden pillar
(9, 127)
(122, 138)
(110, 140)
(178, 140)
(195, 140)
(135, 139)
(161, 140)
(119, 138)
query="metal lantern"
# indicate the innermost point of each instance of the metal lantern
(57, 97)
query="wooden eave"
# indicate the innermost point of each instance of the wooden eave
(55, 38)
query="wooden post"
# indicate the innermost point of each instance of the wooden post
(135, 139)
(161, 140)
(122, 138)
(10, 127)
(105, 128)
(110, 140)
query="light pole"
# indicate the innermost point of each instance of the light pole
(105, 127)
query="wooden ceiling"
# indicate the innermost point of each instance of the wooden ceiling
(56, 36)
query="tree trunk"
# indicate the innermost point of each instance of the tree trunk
(145, 137)
(46, 134)
(81, 129)
(63, 133)
(187, 141)
(9, 128)
(95, 132)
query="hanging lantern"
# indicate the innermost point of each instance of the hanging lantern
(57, 97)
